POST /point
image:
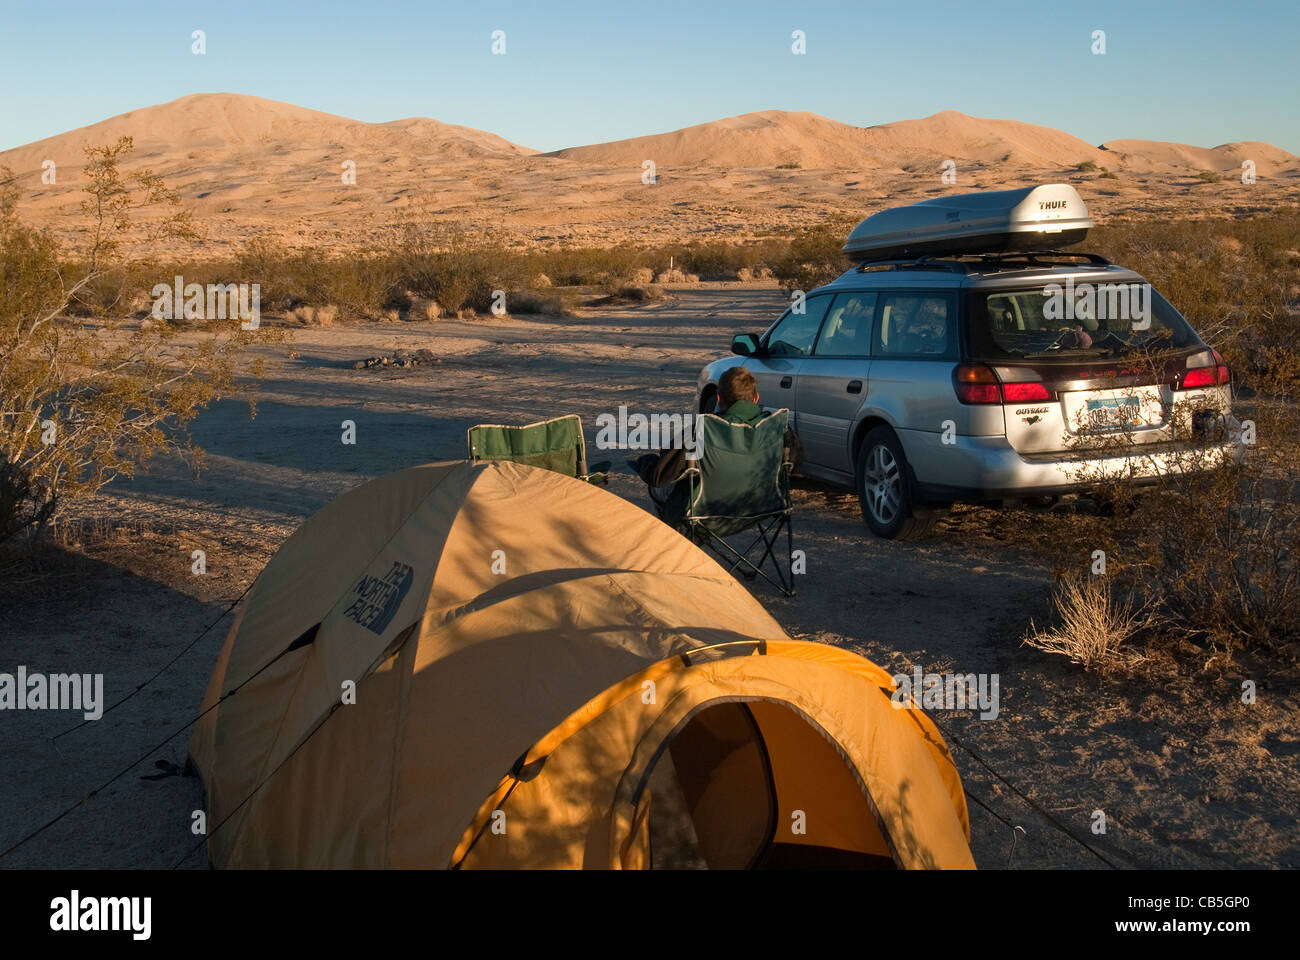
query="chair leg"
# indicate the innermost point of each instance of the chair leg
(786, 575)
(768, 535)
(737, 557)
(789, 550)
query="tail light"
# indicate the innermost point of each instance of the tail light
(1210, 373)
(1024, 392)
(977, 383)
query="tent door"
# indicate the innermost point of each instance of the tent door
(754, 784)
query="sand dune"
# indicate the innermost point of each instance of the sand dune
(219, 123)
(248, 166)
(769, 139)
(775, 137)
(1155, 156)
(956, 136)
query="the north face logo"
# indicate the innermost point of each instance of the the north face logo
(377, 599)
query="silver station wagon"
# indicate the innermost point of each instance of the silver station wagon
(966, 358)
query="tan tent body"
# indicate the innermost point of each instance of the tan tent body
(491, 665)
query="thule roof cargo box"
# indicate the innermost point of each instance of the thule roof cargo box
(1031, 218)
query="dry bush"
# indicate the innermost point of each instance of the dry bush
(307, 315)
(358, 286)
(544, 304)
(813, 258)
(81, 401)
(632, 293)
(1236, 281)
(1216, 551)
(457, 270)
(1212, 543)
(1094, 628)
(421, 308)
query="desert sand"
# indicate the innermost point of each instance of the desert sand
(252, 167)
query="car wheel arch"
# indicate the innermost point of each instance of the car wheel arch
(862, 428)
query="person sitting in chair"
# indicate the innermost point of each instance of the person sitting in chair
(662, 472)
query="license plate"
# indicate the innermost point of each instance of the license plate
(1113, 412)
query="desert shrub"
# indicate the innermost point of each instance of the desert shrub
(1094, 628)
(1213, 550)
(265, 261)
(813, 258)
(1236, 281)
(638, 293)
(592, 266)
(1088, 166)
(545, 304)
(1215, 553)
(708, 261)
(456, 270)
(358, 285)
(84, 400)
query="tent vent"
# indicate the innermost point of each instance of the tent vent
(308, 636)
(523, 772)
(758, 647)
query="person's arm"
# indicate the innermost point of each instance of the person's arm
(669, 469)
(793, 449)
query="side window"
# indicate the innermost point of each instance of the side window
(847, 330)
(794, 333)
(915, 325)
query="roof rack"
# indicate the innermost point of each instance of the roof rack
(1037, 256)
(963, 262)
(917, 263)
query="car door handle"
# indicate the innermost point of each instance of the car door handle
(786, 381)
(855, 386)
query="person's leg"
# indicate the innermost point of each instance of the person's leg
(643, 466)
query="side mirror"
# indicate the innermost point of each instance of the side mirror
(744, 344)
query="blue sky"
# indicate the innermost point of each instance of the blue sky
(581, 72)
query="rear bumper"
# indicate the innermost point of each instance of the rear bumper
(989, 468)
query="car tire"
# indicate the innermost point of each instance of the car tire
(884, 485)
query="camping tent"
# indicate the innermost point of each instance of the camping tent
(488, 664)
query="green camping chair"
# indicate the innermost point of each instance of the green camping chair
(555, 445)
(741, 483)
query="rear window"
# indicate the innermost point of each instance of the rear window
(847, 330)
(914, 325)
(1099, 319)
